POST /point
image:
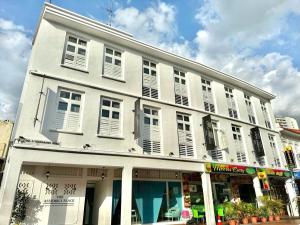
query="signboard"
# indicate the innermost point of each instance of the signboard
(208, 133)
(226, 168)
(289, 156)
(278, 173)
(257, 142)
(262, 176)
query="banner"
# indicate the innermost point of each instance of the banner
(226, 168)
(262, 176)
(208, 133)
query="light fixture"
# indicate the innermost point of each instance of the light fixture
(102, 176)
(21, 139)
(86, 146)
(204, 156)
(131, 149)
(171, 154)
(47, 174)
(136, 173)
(176, 174)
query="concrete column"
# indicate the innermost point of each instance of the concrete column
(10, 182)
(126, 195)
(208, 199)
(258, 191)
(290, 189)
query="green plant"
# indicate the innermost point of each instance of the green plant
(263, 211)
(274, 206)
(230, 211)
(244, 209)
(19, 209)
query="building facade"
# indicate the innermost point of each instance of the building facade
(112, 130)
(6, 127)
(287, 122)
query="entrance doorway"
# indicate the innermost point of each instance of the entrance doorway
(247, 193)
(88, 206)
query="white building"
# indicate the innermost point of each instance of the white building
(112, 130)
(287, 122)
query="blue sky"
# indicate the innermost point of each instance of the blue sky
(255, 40)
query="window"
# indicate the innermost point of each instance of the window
(185, 139)
(112, 63)
(110, 117)
(75, 54)
(238, 143)
(265, 114)
(68, 110)
(207, 96)
(231, 103)
(151, 131)
(217, 154)
(181, 96)
(274, 150)
(150, 87)
(249, 109)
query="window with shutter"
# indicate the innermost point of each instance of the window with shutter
(68, 110)
(151, 131)
(185, 139)
(262, 161)
(232, 111)
(274, 150)
(217, 154)
(75, 54)
(238, 143)
(207, 96)
(150, 86)
(249, 109)
(112, 63)
(110, 117)
(265, 114)
(181, 96)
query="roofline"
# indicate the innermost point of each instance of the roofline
(194, 65)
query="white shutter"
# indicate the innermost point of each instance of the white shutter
(111, 67)
(115, 127)
(61, 117)
(73, 122)
(185, 139)
(104, 126)
(223, 139)
(72, 57)
(241, 157)
(217, 155)
(108, 69)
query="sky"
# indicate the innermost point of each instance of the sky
(257, 41)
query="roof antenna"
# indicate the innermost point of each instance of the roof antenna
(110, 12)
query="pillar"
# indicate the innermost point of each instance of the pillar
(258, 191)
(208, 199)
(8, 189)
(126, 195)
(290, 189)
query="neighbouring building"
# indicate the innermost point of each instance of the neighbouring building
(287, 122)
(112, 130)
(6, 127)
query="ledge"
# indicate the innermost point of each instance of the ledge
(112, 137)
(67, 132)
(116, 79)
(74, 68)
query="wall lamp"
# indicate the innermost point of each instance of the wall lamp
(86, 146)
(171, 154)
(47, 174)
(136, 173)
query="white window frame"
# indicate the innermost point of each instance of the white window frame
(273, 146)
(150, 81)
(76, 56)
(113, 122)
(180, 87)
(117, 71)
(152, 144)
(250, 110)
(265, 114)
(217, 152)
(208, 99)
(186, 145)
(68, 113)
(239, 143)
(231, 105)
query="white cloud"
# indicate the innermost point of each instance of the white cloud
(15, 48)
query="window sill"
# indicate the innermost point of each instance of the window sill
(112, 78)
(75, 68)
(112, 137)
(67, 132)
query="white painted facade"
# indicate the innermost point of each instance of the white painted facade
(62, 104)
(287, 122)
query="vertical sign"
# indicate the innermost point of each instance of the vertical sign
(257, 143)
(262, 176)
(289, 156)
(208, 132)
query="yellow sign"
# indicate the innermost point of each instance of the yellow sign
(288, 148)
(262, 175)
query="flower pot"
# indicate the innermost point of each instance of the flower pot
(231, 222)
(271, 218)
(263, 219)
(277, 218)
(245, 220)
(254, 219)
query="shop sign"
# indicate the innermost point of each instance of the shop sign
(289, 156)
(208, 132)
(278, 173)
(262, 175)
(226, 168)
(257, 142)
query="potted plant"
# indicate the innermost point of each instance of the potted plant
(20, 206)
(269, 204)
(253, 212)
(277, 208)
(263, 213)
(230, 213)
(244, 210)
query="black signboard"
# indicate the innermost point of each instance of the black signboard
(257, 143)
(290, 159)
(208, 133)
